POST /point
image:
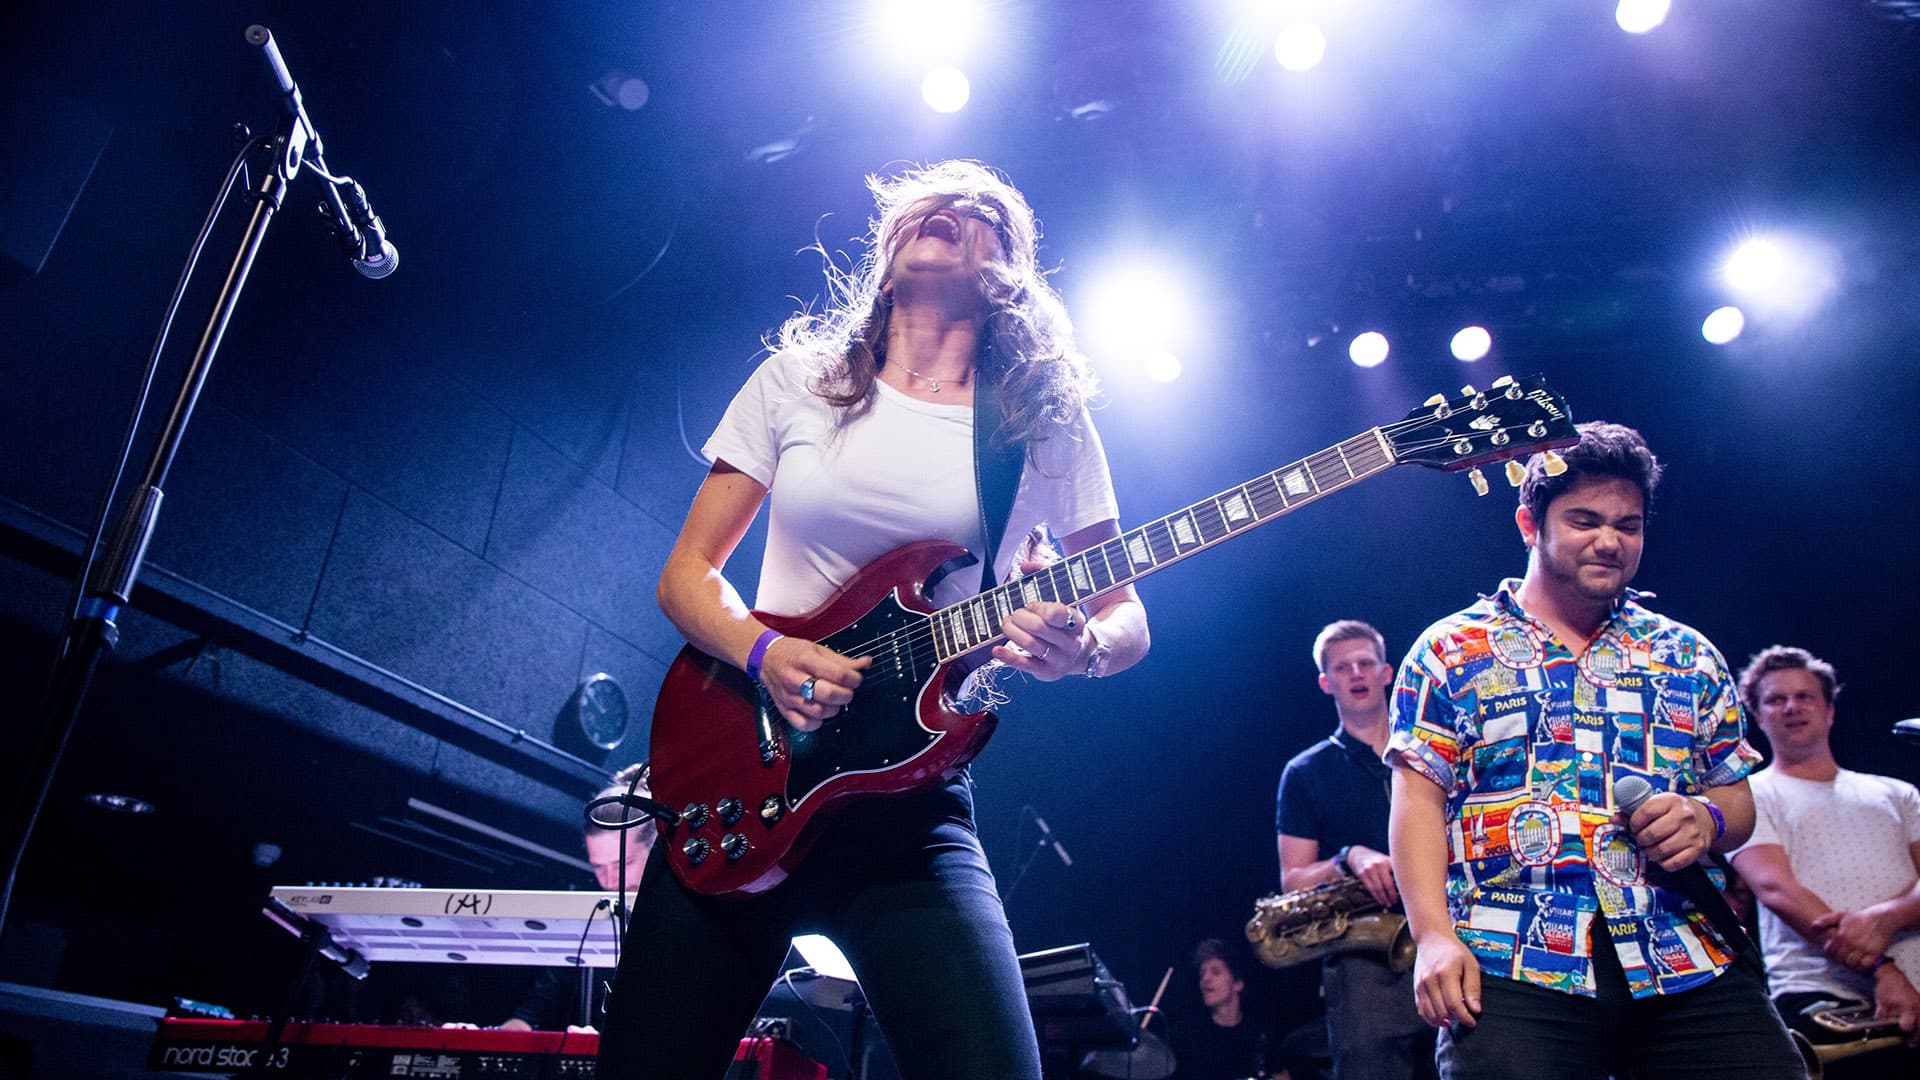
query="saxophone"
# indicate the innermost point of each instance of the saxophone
(1326, 920)
(1851, 1030)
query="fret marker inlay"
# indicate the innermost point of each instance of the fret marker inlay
(1138, 552)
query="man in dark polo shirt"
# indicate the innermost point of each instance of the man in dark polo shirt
(1332, 823)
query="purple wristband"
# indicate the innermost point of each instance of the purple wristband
(1719, 819)
(759, 652)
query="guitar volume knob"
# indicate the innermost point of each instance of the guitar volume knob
(730, 810)
(735, 845)
(695, 815)
(696, 850)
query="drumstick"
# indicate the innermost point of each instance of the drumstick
(1153, 1007)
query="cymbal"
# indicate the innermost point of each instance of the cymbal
(1150, 1059)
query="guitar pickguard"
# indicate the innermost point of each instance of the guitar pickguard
(881, 727)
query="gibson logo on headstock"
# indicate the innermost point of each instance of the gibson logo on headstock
(1541, 397)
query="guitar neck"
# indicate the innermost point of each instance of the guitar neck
(974, 623)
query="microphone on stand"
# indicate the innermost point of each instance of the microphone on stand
(361, 233)
(1047, 838)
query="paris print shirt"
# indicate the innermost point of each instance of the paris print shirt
(1527, 741)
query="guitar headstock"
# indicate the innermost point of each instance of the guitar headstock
(1510, 419)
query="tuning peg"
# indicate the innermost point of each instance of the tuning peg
(1437, 399)
(1555, 463)
(1516, 472)
(1479, 481)
(1468, 390)
(1504, 380)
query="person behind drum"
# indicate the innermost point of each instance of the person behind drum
(858, 430)
(1834, 859)
(552, 1002)
(1331, 821)
(1230, 1045)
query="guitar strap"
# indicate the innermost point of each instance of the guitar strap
(996, 476)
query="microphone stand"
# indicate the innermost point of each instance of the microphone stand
(1026, 864)
(94, 630)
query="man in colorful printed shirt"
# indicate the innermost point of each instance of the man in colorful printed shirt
(1547, 945)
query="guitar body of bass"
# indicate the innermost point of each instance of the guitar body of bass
(750, 788)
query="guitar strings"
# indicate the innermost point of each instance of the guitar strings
(917, 641)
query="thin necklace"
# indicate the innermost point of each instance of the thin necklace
(933, 384)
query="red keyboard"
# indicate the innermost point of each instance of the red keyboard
(419, 1053)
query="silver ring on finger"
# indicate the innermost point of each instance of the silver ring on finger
(806, 691)
(1045, 651)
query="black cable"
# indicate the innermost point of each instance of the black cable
(580, 958)
(787, 977)
(91, 553)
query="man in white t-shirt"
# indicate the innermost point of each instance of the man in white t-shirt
(1834, 857)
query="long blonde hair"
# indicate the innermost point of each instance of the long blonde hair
(1027, 357)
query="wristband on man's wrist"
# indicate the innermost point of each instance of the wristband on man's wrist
(759, 652)
(1340, 861)
(1719, 819)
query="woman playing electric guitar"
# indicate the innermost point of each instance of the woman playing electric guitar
(861, 428)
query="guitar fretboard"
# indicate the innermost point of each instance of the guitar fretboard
(975, 622)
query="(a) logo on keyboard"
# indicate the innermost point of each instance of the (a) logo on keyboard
(469, 903)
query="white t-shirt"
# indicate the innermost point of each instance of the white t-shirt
(1849, 841)
(901, 471)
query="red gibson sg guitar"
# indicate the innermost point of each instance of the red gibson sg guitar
(750, 789)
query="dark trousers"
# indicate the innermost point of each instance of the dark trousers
(901, 885)
(1726, 1028)
(1373, 1028)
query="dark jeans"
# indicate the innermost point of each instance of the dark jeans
(1726, 1028)
(1373, 1028)
(901, 885)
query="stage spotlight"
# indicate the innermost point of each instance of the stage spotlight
(1781, 276)
(1723, 325)
(1368, 349)
(1139, 316)
(946, 89)
(1756, 266)
(1471, 343)
(924, 31)
(1300, 46)
(621, 90)
(1640, 16)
